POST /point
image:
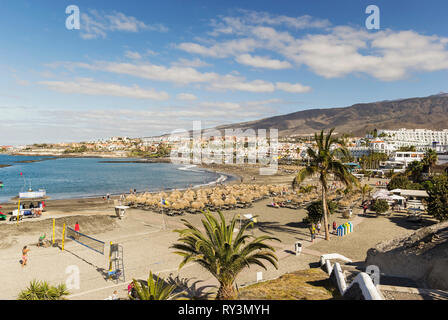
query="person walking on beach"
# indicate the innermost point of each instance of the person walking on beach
(318, 227)
(365, 208)
(76, 230)
(312, 232)
(25, 251)
(335, 226)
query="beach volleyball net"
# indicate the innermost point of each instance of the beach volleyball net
(85, 240)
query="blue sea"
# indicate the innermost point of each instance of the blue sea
(66, 178)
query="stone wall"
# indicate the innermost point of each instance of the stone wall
(422, 256)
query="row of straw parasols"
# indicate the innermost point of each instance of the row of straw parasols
(216, 197)
(221, 197)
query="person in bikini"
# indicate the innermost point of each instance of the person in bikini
(25, 251)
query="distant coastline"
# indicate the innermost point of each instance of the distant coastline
(85, 155)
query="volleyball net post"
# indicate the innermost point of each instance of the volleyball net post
(63, 237)
(110, 257)
(53, 239)
(18, 211)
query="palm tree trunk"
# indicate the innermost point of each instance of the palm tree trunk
(324, 207)
(226, 292)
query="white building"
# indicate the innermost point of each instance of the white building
(381, 146)
(358, 152)
(416, 136)
(407, 157)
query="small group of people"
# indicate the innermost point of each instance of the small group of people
(276, 205)
(316, 228)
(40, 205)
(381, 183)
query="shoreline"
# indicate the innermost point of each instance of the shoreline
(228, 179)
(233, 173)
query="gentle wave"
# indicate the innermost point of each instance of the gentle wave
(221, 179)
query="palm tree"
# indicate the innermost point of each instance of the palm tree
(324, 162)
(41, 290)
(155, 290)
(430, 159)
(221, 252)
(365, 190)
(414, 170)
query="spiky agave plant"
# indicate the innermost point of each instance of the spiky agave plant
(41, 290)
(222, 252)
(155, 290)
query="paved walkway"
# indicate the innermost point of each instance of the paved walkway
(431, 293)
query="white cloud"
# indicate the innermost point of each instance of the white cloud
(301, 22)
(90, 87)
(133, 55)
(292, 87)
(96, 25)
(221, 50)
(220, 105)
(150, 52)
(178, 75)
(386, 55)
(262, 62)
(78, 125)
(194, 63)
(186, 96)
(230, 82)
(242, 24)
(147, 70)
(330, 52)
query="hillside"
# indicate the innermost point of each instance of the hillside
(428, 112)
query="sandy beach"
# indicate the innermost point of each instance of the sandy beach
(146, 237)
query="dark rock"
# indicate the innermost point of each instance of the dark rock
(354, 292)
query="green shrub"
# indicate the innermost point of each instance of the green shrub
(316, 212)
(380, 206)
(437, 189)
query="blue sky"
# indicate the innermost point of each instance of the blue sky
(141, 68)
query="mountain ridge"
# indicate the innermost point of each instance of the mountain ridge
(413, 113)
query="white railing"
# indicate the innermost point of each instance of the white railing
(368, 288)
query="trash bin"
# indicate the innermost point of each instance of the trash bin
(297, 248)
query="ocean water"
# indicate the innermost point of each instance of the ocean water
(66, 178)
